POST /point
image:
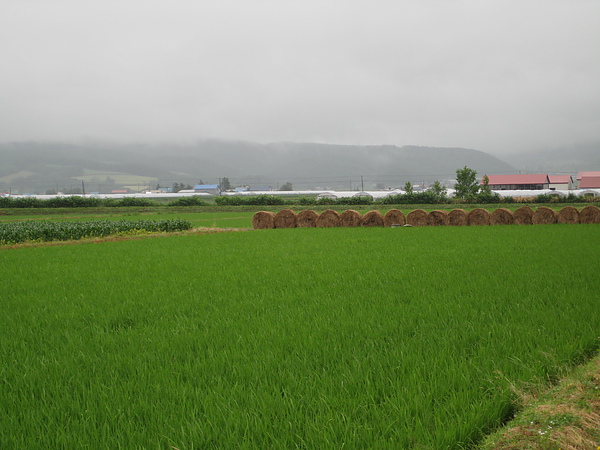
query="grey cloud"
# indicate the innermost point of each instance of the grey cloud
(496, 76)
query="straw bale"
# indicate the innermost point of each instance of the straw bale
(589, 214)
(372, 218)
(523, 215)
(263, 220)
(543, 215)
(350, 218)
(286, 218)
(568, 214)
(458, 217)
(479, 216)
(437, 218)
(502, 216)
(307, 218)
(328, 219)
(417, 218)
(394, 217)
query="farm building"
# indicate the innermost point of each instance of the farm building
(207, 189)
(588, 180)
(589, 192)
(518, 182)
(560, 182)
(260, 187)
(373, 195)
(529, 193)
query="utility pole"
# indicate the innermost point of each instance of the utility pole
(82, 188)
(362, 184)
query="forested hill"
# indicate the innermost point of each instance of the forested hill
(34, 165)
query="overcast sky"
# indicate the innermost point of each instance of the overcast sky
(498, 76)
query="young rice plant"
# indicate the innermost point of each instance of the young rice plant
(314, 338)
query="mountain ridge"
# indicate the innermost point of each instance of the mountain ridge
(53, 165)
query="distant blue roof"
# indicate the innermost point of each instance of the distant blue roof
(206, 186)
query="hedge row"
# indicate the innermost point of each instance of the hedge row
(91, 202)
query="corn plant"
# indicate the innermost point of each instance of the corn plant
(44, 231)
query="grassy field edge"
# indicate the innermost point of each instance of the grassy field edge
(565, 416)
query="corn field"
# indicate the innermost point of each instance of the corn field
(45, 231)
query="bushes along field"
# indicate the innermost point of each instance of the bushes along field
(413, 198)
(315, 338)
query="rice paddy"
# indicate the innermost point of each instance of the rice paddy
(307, 337)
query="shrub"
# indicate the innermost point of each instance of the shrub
(133, 201)
(188, 201)
(415, 198)
(255, 200)
(306, 201)
(71, 202)
(485, 197)
(26, 202)
(325, 201)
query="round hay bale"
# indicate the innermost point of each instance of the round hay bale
(328, 219)
(372, 218)
(350, 218)
(544, 215)
(479, 216)
(263, 220)
(502, 216)
(523, 215)
(307, 218)
(589, 214)
(458, 217)
(394, 217)
(568, 214)
(286, 218)
(417, 218)
(437, 218)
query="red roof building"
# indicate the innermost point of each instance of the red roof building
(590, 183)
(560, 182)
(588, 180)
(580, 175)
(518, 182)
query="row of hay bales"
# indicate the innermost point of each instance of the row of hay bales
(286, 218)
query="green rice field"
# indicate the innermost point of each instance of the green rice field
(291, 338)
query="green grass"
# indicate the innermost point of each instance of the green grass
(565, 416)
(317, 338)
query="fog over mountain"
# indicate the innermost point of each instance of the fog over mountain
(35, 166)
(568, 159)
(135, 93)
